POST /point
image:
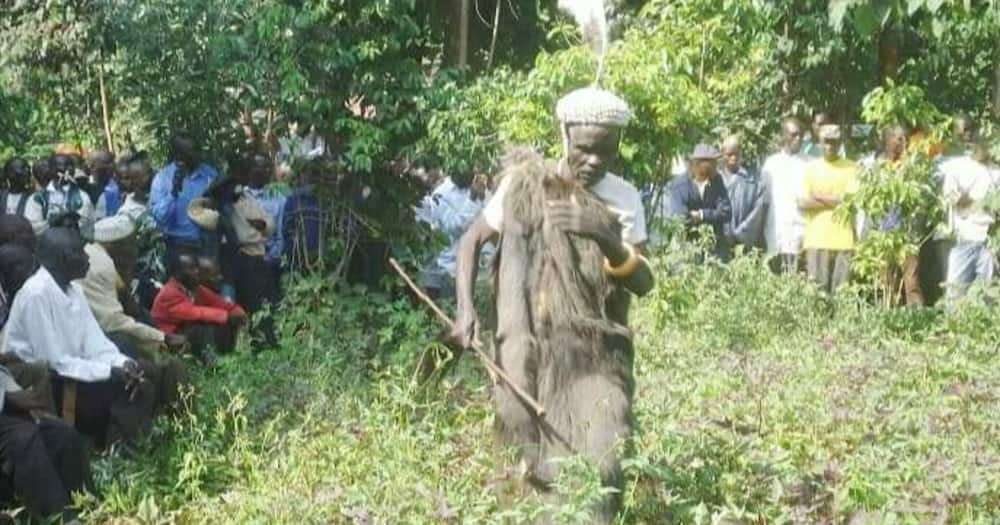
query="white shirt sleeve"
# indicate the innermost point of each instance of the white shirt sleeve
(33, 212)
(43, 344)
(493, 211)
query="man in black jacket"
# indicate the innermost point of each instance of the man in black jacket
(747, 196)
(700, 198)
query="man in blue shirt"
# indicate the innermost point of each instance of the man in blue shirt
(186, 178)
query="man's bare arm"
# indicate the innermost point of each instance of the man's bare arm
(467, 266)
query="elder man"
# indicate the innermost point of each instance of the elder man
(51, 322)
(572, 233)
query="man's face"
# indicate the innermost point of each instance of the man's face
(100, 165)
(592, 149)
(732, 154)
(894, 143)
(188, 273)
(965, 130)
(18, 176)
(209, 275)
(703, 169)
(135, 177)
(820, 120)
(791, 137)
(74, 261)
(261, 172)
(186, 155)
(42, 172)
(61, 165)
(831, 149)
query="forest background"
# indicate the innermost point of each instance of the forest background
(753, 423)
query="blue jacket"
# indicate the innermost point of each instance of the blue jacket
(748, 198)
(714, 206)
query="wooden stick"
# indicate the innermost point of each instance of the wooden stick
(525, 397)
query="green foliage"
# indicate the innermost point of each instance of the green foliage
(904, 105)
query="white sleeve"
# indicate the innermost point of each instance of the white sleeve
(493, 211)
(33, 212)
(43, 345)
(634, 231)
(97, 347)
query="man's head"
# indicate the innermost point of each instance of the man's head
(732, 153)
(592, 120)
(791, 135)
(184, 268)
(703, 162)
(260, 171)
(209, 274)
(60, 251)
(100, 165)
(41, 171)
(185, 154)
(135, 176)
(829, 141)
(894, 142)
(117, 235)
(17, 263)
(15, 229)
(62, 165)
(820, 119)
(17, 175)
(965, 130)
(462, 178)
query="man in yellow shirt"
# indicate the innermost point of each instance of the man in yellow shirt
(828, 242)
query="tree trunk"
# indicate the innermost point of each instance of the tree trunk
(105, 109)
(996, 83)
(888, 52)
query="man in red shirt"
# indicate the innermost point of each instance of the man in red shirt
(187, 307)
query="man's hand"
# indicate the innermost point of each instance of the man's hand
(27, 401)
(175, 342)
(569, 217)
(131, 375)
(464, 330)
(696, 216)
(237, 318)
(258, 224)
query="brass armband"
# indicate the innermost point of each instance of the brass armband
(626, 268)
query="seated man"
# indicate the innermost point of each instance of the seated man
(17, 264)
(44, 460)
(185, 306)
(51, 322)
(113, 257)
(15, 229)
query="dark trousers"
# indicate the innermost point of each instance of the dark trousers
(42, 463)
(201, 336)
(255, 290)
(104, 412)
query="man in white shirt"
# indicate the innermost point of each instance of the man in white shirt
(61, 196)
(17, 186)
(783, 175)
(966, 184)
(51, 322)
(450, 209)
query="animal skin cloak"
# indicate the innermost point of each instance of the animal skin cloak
(561, 335)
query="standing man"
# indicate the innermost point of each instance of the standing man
(572, 236)
(967, 183)
(256, 289)
(186, 178)
(101, 185)
(828, 242)
(271, 197)
(700, 198)
(747, 197)
(449, 209)
(60, 198)
(51, 322)
(17, 186)
(783, 175)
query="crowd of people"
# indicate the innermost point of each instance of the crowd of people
(94, 324)
(109, 274)
(788, 208)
